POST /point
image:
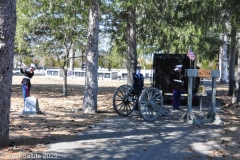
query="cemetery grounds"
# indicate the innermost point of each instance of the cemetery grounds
(62, 117)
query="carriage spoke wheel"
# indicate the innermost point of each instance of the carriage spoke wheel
(123, 101)
(150, 104)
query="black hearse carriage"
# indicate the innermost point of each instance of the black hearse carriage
(150, 101)
(163, 65)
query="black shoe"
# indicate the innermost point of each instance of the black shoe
(179, 108)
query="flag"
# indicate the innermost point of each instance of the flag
(190, 54)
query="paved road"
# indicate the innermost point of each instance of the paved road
(132, 138)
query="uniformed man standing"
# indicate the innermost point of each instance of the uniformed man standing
(26, 83)
(138, 80)
(177, 86)
(138, 83)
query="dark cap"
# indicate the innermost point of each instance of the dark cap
(138, 67)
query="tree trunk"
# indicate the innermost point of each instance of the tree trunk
(91, 79)
(131, 40)
(83, 61)
(223, 61)
(236, 91)
(65, 82)
(109, 66)
(238, 73)
(65, 71)
(7, 34)
(232, 60)
(72, 55)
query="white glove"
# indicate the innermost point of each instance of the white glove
(23, 66)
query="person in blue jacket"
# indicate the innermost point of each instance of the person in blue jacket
(177, 86)
(26, 83)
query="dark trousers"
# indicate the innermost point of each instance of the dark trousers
(176, 98)
(25, 91)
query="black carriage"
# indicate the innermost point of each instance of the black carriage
(150, 102)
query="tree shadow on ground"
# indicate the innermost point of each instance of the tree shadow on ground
(60, 120)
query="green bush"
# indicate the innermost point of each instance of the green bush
(207, 64)
(50, 62)
(27, 61)
(148, 66)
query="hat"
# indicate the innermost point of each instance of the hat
(178, 66)
(32, 65)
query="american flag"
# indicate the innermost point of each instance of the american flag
(190, 54)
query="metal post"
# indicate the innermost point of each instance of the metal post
(213, 94)
(200, 107)
(190, 82)
(212, 114)
(188, 116)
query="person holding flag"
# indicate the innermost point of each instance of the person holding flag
(26, 84)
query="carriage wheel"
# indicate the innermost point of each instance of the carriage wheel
(123, 101)
(150, 104)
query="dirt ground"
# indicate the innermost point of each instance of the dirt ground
(61, 117)
(230, 114)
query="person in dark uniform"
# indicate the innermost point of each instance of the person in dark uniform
(26, 84)
(177, 87)
(138, 83)
(138, 80)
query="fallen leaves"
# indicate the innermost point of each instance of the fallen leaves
(61, 118)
